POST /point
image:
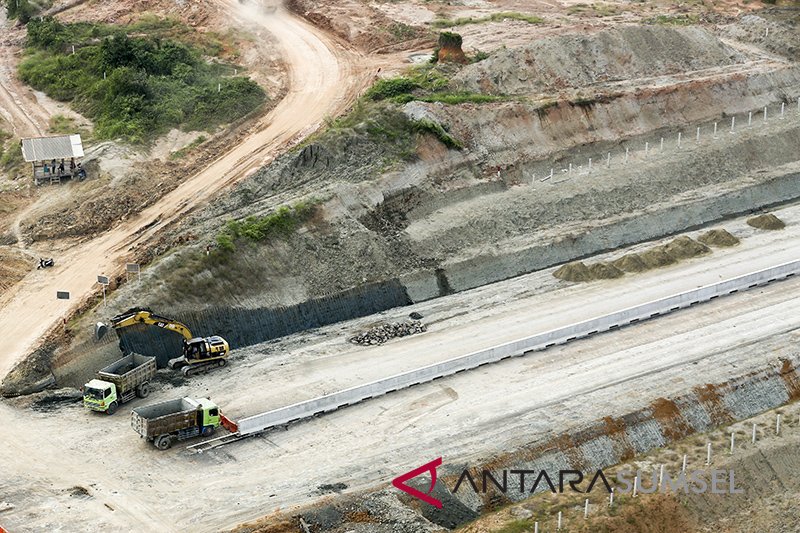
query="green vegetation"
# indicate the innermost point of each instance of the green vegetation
(437, 130)
(178, 154)
(674, 20)
(24, 10)
(450, 39)
(10, 153)
(281, 223)
(598, 10)
(517, 526)
(135, 88)
(425, 83)
(494, 17)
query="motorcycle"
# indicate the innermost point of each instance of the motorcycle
(46, 263)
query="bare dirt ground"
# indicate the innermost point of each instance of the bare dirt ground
(365, 446)
(128, 485)
(324, 79)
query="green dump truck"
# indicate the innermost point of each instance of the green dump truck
(120, 382)
(166, 422)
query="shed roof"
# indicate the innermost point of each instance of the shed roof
(47, 148)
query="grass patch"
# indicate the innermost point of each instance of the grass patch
(494, 17)
(283, 222)
(517, 526)
(438, 131)
(135, 87)
(425, 83)
(178, 154)
(674, 20)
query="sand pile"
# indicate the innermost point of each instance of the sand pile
(656, 257)
(575, 271)
(718, 237)
(684, 247)
(605, 271)
(630, 263)
(768, 221)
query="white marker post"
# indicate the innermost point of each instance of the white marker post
(559, 521)
(783, 106)
(733, 124)
(635, 485)
(765, 113)
(570, 169)
(683, 469)
(733, 439)
(715, 130)
(626, 155)
(586, 509)
(750, 118)
(608, 160)
(590, 164)
(778, 425)
(698, 134)
(646, 148)
(536, 527)
(611, 498)
(708, 454)
(679, 139)
(662, 144)
(754, 433)
(660, 477)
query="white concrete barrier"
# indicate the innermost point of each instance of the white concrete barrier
(260, 422)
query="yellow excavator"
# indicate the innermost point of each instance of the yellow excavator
(200, 354)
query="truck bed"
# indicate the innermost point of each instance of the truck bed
(129, 372)
(165, 417)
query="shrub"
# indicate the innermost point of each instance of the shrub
(391, 87)
(134, 88)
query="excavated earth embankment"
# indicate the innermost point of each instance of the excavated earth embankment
(449, 220)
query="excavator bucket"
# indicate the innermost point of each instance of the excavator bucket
(100, 330)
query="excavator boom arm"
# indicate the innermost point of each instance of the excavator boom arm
(145, 316)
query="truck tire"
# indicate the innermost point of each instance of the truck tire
(143, 390)
(223, 362)
(163, 442)
(112, 408)
(207, 431)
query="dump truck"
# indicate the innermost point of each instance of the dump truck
(166, 422)
(120, 382)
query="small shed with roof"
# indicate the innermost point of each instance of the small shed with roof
(54, 158)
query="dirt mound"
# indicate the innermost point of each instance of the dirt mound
(657, 257)
(605, 271)
(718, 237)
(630, 263)
(580, 60)
(767, 221)
(576, 271)
(14, 266)
(684, 247)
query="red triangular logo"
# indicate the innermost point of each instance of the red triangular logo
(400, 482)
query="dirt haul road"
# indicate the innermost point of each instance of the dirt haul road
(324, 78)
(25, 116)
(491, 410)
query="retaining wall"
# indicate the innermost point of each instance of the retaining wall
(331, 402)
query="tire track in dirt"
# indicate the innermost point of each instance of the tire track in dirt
(324, 79)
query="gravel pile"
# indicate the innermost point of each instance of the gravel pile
(385, 332)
